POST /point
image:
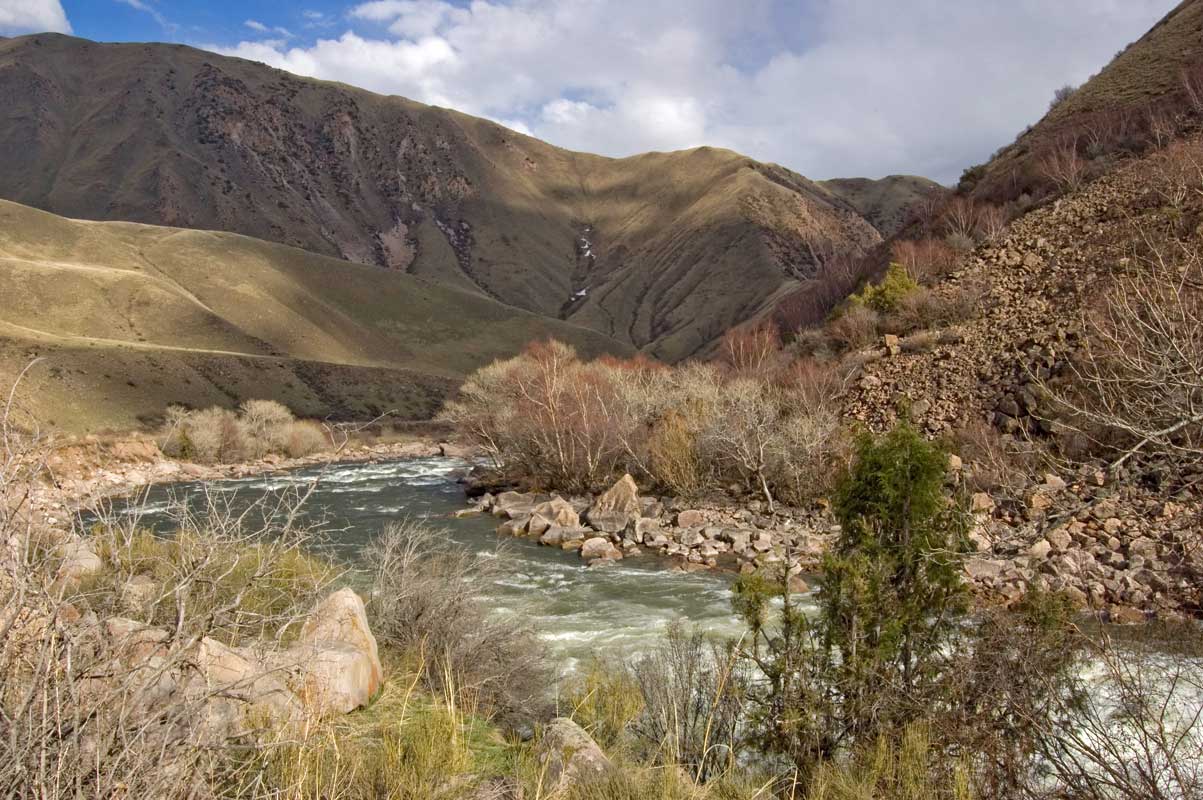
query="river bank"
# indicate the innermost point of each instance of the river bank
(1118, 564)
(1114, 557)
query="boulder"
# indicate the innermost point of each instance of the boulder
(617, 506)
(981, 503)
(343, 670)
(538, 524)
(514, 527)
(558, 511)
(1040, 549)
(569, 756)
(333, 677)
(599, 547)
(77, 560)
(690, 519)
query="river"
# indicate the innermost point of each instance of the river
(615, 611)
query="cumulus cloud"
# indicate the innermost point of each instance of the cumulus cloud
(858, 87)
(32, 16)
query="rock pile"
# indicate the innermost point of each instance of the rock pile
(622, 524)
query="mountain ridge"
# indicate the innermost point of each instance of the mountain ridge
(662, 251)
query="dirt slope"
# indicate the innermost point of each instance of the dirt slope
(663, 251)
(131, 317)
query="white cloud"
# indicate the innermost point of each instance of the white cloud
(256, 25)
(32, 16)
(853, 87)
(154, 13)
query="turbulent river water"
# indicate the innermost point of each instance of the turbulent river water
(616, 611)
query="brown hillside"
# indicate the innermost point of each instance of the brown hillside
(130, 318)
(1136, 101)
(663, 251)
(887, 203)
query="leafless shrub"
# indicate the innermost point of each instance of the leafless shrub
(1061, 95)
(421, 604)
(1177, 173)
(264, 423)
(992, 222)
(922, 342)
(1063, 166)
(997, 463)
(926, 260)
(751, 350)
(855, 328)
(258, 428)
(1135, 728)
(1192, 87)
(960, 218)
(693, 707)
(1139, 377)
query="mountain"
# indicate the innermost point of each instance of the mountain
(1142, 96)
(887, 203)
(130, 318)
(661, 251)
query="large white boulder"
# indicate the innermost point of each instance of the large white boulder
(337, 656)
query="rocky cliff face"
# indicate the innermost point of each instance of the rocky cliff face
(664, 251)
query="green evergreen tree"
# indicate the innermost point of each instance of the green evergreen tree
(891, 592)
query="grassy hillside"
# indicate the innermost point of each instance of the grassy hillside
(663, 251)
(131, 317)
(1136, 101)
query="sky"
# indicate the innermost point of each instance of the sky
(828, 88)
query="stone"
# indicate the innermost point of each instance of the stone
(513, 527)
(338, 633)
(539, 524)
(599, 547)
(797, 585)
(622, 498)
(569, 756)
(1040, 549)
(692, 538)
(139, 592)
(558, 511)
(553, 536)
(1055, 482)
(954, 463)
(1059, 539)
(984, 569)
(981, 503)
(690, 519)
(77, 560)
(503, 502)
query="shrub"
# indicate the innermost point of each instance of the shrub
(855, 328)
(1061, 95)
(884, 297)
(673, 453)
(265, 424)
(419, 606)
(215, 435)
(926, 260)
(259, 428)
(605, 701)
(303, 438)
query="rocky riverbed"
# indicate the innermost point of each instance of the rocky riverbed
(1108, 549)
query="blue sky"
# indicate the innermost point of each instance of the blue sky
(826, 87)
